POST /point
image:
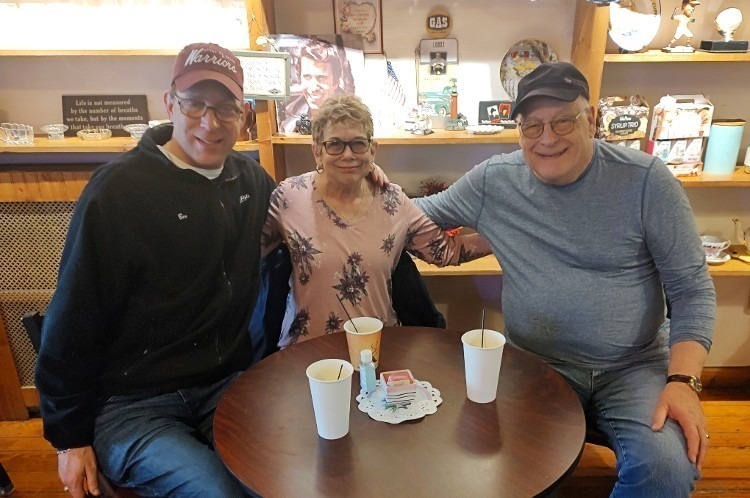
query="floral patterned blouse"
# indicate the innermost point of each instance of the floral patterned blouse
(353, 260)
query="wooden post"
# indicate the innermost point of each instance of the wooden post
(261, 21)
(589, 43)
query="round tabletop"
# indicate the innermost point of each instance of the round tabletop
(523, 444)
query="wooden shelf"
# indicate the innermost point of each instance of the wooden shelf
(733, 267)
(439, 137)
(86, 53)
(43, 145)
(488, 265)
(737, 179)
(697, 56)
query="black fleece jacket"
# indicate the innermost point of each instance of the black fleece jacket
(156, 286)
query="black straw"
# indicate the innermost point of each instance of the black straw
(482, 327)
(340, 369)
(347, 313)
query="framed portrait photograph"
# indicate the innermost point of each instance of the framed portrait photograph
(321, 66)
(362, 17)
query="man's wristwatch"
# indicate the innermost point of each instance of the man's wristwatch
(691, 380)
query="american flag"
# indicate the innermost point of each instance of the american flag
(392, 88)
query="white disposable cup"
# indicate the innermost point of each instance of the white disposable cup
(331, 394)
(482, 360)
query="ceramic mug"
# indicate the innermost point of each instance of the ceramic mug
(713, 245)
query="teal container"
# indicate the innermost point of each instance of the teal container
(723, 146)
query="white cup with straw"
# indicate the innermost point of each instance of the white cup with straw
(483, 353)
(331, 392)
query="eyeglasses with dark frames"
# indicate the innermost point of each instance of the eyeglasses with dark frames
(337, 147)
(192, 108)
(560, 126)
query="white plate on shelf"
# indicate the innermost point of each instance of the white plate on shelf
(484, 129)
(721, 258)
(374, 404)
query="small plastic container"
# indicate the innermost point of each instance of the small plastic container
(366, 371)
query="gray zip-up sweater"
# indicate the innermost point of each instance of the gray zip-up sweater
(156, 285)
(583, 264)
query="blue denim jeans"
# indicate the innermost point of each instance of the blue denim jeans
(163, 445)
(619, 405)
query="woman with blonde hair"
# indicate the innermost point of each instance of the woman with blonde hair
(344, 233)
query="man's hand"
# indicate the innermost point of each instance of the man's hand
(378, 176)
(681, 404)
(78, 472)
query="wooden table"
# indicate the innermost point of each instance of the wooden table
(521, 445)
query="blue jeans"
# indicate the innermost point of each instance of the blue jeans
(163, 445)
(619, 405)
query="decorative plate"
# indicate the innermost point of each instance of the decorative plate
(522, 58)
(635, 26)
(374, 404)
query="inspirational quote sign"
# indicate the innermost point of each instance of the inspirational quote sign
(103, 111)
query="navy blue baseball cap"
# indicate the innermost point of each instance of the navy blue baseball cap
(558, 80)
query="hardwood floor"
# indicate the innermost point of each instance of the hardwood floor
(726, 471)
(32, 464)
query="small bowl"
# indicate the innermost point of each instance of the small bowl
(16, 134)
(55, 131)
(136, 130)
(94, 133)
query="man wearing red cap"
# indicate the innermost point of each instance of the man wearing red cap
(149, 322)
(591, 236)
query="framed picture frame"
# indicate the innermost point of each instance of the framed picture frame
(339, 56)
(494, 112)
(267, 74)
(360, 17)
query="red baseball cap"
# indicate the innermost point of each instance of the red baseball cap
(207, 61)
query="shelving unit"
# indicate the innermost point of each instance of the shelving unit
(489, 265)
(399, 137)
(697, 56)
(43, 145)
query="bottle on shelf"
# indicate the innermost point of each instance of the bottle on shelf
(366, 371)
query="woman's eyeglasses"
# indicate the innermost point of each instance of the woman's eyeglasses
(197, 109)
(337, 147)
(561, 126)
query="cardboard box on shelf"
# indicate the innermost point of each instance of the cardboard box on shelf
(622, 118)
(677, 151)
(633, 144)
(686, 169)
(681, 116)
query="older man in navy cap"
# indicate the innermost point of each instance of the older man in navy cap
(149, 321)
(591, 237)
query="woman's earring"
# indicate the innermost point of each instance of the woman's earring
(319, 168)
